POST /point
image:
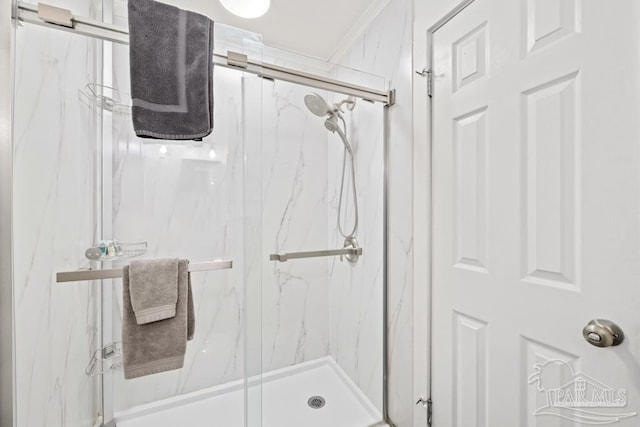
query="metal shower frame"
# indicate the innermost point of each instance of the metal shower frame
(7, 330)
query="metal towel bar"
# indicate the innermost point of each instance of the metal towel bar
(114, 273)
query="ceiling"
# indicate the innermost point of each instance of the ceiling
(323, 29)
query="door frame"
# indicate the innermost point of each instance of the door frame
(422, 200)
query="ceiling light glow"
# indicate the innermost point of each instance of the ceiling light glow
(247, 8)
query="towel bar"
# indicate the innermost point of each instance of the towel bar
(114, 273)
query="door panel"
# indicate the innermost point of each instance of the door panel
(536, 213)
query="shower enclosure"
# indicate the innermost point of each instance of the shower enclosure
(290, 315)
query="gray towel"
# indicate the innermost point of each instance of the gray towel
(153, 289)
(171, 64)
(158, 346)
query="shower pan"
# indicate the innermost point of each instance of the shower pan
(290, 306)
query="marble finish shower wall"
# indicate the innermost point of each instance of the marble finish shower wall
(186, 201)
(385, 49)
(356, 289)
(295, 296)
(352, 318)
(56, 141)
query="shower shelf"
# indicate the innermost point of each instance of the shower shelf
(105, 98)
(104, 360)
(123, 251)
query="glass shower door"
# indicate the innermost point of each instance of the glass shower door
(299, 342)
(189, 200)
(56, 217)
(82, 177)
(322, 315)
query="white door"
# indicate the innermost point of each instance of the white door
(536, 210)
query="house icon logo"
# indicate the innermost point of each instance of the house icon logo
(577, 397)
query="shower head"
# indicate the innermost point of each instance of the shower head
(316, 104)
(333, 126)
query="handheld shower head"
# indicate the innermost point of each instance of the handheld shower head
(316, 104)
(333, 126)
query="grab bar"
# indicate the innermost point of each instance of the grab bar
(315, 254)
(114, 273)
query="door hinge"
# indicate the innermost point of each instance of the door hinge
(428, 405)
(428, 74)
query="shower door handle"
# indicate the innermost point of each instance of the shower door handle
(315, 254)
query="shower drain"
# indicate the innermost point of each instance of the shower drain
(316, 402)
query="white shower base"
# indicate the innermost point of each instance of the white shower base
(284, 402)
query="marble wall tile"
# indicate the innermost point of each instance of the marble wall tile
(295, 308)
(187, 202)
(356, 289)
(57, 326)
(385, 49)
